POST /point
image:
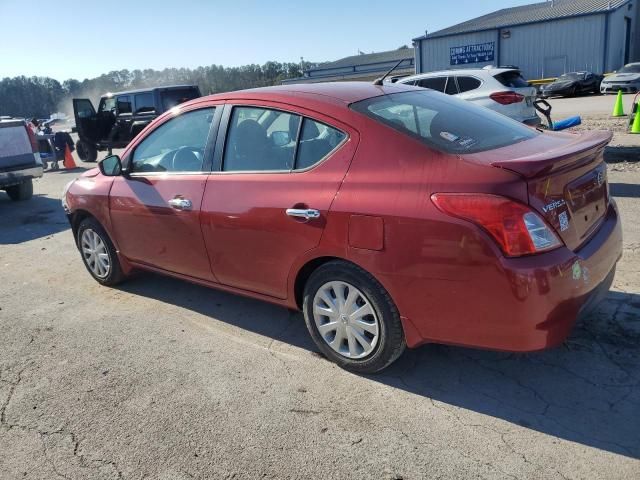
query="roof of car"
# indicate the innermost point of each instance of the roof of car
(142, 90)
(463, 71)
(331, 92)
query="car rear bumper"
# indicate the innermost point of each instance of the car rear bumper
(526, 304)
(16, 176)
(532, 122)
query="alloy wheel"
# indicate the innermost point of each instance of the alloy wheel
(94, 252)
(346, 320)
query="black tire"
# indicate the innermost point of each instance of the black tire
(86, 151)
(22, 191)
(390, 343)
(115, 274)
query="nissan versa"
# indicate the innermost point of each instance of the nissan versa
(391, 215)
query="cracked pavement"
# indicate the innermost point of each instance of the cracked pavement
(161, 379)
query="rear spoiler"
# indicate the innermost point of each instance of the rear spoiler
(568, 155)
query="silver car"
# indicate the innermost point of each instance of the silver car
(627, 79)
(501, 89)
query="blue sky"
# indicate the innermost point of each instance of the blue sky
(84, 38)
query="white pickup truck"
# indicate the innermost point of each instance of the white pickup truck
(19, 159)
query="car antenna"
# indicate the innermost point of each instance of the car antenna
(381, 79)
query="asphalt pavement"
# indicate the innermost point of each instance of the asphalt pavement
(162, 379)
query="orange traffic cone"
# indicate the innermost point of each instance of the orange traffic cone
(68, 161)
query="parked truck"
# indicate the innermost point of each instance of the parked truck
(19, 159)
(121, 116)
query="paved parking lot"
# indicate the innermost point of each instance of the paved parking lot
(162, 379)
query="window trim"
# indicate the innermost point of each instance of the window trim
(223, 129)
(207, 161)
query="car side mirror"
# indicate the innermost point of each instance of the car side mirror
(110, 166)
(280, 139)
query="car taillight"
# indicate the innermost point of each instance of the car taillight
(32, 139)
(506, 98)
(516, 228)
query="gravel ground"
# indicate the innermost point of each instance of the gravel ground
(161, 379)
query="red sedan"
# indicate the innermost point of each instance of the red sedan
(390, 215)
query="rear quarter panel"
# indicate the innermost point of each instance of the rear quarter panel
(427, 258)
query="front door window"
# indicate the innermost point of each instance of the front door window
(176, 146)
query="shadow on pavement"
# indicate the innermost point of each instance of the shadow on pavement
(587, 391)
(631, 190)
(30, 219)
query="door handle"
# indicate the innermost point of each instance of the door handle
(180, 203)
(306, 213)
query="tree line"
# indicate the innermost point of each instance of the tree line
(41, 96)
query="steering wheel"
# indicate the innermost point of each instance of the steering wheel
(185, 160)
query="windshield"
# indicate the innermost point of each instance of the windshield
(570, 76)
(631, 68)
(447, 124)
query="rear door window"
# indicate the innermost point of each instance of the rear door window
(445, 123)
(317, 140)
(512, 79)
(466, 84)
(434, 83)
(260, 139)
(123, 104)
(144, 103)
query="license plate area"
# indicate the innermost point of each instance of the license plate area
(588, 200)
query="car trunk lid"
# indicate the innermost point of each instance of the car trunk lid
(566, 180)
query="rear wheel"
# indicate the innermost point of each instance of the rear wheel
(98, 253)
(86, 151)
(351, 318)
(22, 191)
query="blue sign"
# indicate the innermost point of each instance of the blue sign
(480, 52)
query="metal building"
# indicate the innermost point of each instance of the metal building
(363, 67)
(544, 39)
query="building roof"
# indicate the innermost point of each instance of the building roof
(535, 12)
(360, 67)
(368, 58)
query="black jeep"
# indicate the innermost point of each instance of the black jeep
(121, 116)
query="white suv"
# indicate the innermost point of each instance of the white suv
(501, 89)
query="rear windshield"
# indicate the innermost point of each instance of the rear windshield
(171, 98)
(447, 124)
(512, 79)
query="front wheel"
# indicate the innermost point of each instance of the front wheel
(86, 151)
(98, 253)
(351, 318)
